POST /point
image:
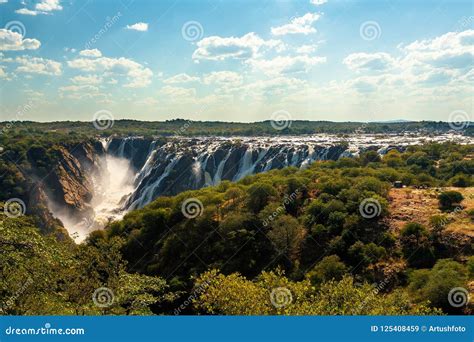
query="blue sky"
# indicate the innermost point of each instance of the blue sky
(236, 60)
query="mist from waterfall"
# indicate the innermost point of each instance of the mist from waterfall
(110, 189)
(112, 184)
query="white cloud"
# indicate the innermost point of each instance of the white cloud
(245, 47)
(91, 53)
(223, 78)
(14, 41)
(26, 11)
(148, 101)
(435, 77)
(3, 1)
(49, 5)
(138, 27)
(279, 86)
(181, 78)
(3, 74)
(379, 61)
(79, 92)
(300, 25)
(88, 79)
(137, 75)
(306, 49)
(43, 7)
(430, 68)
(318, 2)
(286, 64)
(178, 92)
(452, 50)
(75, 88)
(36, 65)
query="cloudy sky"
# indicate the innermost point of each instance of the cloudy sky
(236, 60)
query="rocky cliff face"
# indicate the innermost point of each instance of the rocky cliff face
(75, 188)
(185, 164)
(68, 186)
(136, 150)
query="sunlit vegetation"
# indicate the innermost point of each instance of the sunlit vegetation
(235, 295)
(192, 128)
(318, 237)
(303, 230)
(43, 276)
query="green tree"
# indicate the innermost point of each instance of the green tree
(369, 157)
(329, 268)
(449, 199)
(274, 294)
(287, 235)
(435, 285)
(416, 245)
(259, 194)
(40, 275)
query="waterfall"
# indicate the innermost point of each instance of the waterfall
(147, 195)
(245, 164)
(138, 170)
(220, 169)
(121, 150)
(191, 163)
(147, 167)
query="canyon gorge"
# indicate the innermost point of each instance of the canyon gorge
(98, 181)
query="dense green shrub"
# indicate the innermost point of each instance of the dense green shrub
(448, 199)
(435, 285)
(329, 268)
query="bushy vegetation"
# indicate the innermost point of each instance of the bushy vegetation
(321, 232)
(307, 223)
(449, 199)
(274, 294)
(42, 276)
(192, 128)
(435, 284)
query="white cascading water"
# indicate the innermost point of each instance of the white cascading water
(111, 186)
(218, 176)
(122, 188)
